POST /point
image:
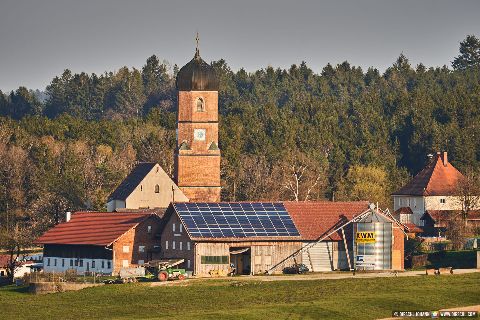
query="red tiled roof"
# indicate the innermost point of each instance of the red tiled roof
(403, 210)
(4, 259)
(438, 178)
(443, 215)
(315, 219)
(93, 228)
(413, 228)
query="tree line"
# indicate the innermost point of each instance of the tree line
(285, 134)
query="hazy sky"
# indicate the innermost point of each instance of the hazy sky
(41, 38)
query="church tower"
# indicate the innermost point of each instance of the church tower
(197, 158)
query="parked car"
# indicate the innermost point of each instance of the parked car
(296, 269)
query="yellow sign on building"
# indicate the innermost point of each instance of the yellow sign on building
(365, 237)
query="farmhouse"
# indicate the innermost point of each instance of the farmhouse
(101, 242)
(147, 186)
(433, 188)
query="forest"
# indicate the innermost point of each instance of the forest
(341, 134)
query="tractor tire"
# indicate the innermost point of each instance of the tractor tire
(162, 276)
(181, 277)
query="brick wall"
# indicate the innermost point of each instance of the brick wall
(133, 239)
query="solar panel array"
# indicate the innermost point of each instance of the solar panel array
(236, 220)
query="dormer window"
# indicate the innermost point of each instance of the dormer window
(200, 105)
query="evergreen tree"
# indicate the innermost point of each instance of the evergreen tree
(469, 54)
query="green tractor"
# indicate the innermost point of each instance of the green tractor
(164, 269)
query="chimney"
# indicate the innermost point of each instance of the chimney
(68, 216)
(444, 158)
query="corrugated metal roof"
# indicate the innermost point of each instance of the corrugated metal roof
(93, 228)
(131, 181)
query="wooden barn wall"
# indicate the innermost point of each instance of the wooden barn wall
(264, 255)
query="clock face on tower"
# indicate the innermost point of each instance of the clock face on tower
(199, 134)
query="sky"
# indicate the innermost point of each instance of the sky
(41, 38)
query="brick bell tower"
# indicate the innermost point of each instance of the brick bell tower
(197, 157)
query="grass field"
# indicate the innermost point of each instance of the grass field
(236, 299)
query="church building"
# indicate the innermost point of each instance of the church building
(197, 158)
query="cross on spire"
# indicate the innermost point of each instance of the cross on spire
(197, 51)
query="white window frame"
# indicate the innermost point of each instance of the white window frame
(188, 264)
(141, 248)
(173, 245)
(180, 227)
(126, 249)
(180, 245)
(188, 245)
(166, 244)
(173, 227)
(149, 229)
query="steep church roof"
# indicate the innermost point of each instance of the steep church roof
(438, 178)
(197, 75)
(129, 184)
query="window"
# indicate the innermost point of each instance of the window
(71, 262)
(149, 229)
(188, 245)
(258, 260)
(81, 263)
(214, 259)
(76, 262)
(443, 201)
(157, 188)
(173, 227)
(188, 264)
(140, 262)
(54, 262)
(103, 264)
(93, 264)
(166, 245)
(48, 262)
(109, 264)
(180, 227)
(63, 263)
(180, 245)
(125, 263)
(173, 245)
(141, 248)
(126, 249)
(200, 105)
(268, 260)
(141, 188)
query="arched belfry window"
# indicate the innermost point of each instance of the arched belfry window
(200, 105)
(157, 188)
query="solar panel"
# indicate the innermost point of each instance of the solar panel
(237, 220)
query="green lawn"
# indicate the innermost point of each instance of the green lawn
(236, 299)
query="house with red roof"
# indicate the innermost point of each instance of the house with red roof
(101, 242)
(434, 188)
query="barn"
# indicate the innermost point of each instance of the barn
(101, 242)
(253, 236)
(262, 237)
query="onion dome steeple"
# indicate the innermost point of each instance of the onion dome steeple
(197, 75)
